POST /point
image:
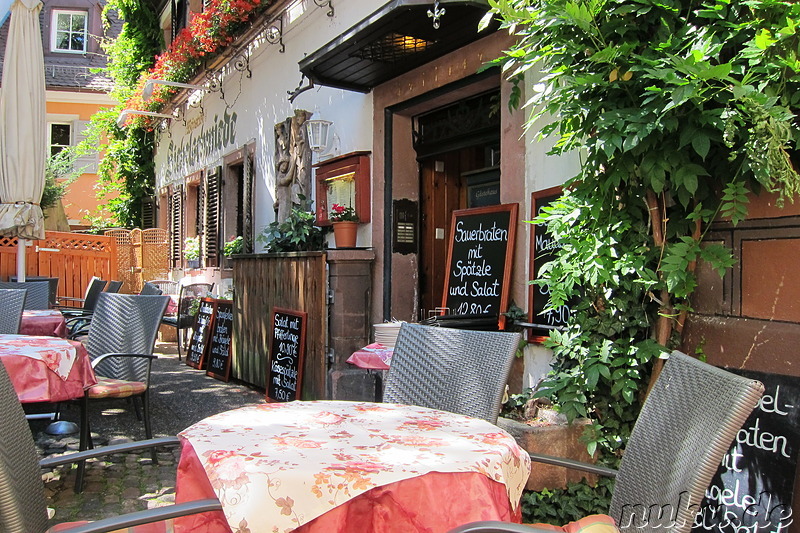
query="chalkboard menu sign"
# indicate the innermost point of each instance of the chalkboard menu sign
(219, 344)
(479, 260)
(286, 355)
(198, 343)
(543, 249)
(752, 490)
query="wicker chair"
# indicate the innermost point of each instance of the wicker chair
(113, 286)
(23, 507)
(53, 295)
(150, 289)
(12, 302)
(686, 426)
(167, 286)
(120, 343)
(89, 300)
(185, 319)
(453, 370)
(38, 296)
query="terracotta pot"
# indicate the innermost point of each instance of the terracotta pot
(344, 234)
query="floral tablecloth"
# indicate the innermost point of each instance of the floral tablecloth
(46, 369)
(47, 322)
(278, 466)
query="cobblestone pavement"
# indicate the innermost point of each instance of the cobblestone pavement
(123, 483)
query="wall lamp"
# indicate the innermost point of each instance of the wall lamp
(318, 131)
(125, 112)
(149, 85)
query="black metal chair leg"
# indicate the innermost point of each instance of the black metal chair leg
(85, 441)
(148, 431)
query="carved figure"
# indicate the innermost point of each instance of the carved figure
(292, 163)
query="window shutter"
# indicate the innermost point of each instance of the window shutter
(149, 212)
(212, 215)
(176, 226)
(84, 163)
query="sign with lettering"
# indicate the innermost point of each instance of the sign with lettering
(286, 355)
(753, 488)
(219, 345)
(479, 260)
(543, 249)
(198, 343)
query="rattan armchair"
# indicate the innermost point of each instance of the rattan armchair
(38, 295)
(52, 285)
(184, 319)
(120, 343)
(686, 426)
(12, 301)
(23, 508)
(87, 303)
(460, 371)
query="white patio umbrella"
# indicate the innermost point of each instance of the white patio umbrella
(23, 129)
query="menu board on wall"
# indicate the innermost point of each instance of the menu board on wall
(219, 343)
(753, 488)
(284, 378)
(198, 343)
(543, 249)
(479, 259)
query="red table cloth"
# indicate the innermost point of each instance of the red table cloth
(47, 322)
(374, 356)
(46, 369)
(318, 467)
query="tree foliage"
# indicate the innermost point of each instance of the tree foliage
(677, 109)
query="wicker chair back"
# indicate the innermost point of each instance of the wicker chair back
(38, 296)
(12, 301)
(460, 371)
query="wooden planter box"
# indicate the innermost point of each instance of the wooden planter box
(560, 440)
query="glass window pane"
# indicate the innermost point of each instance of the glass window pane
(62, 41)
(77, 42)
(62, 21)
(60, 134)
(79, 23)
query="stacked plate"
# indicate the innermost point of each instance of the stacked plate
(386, 333)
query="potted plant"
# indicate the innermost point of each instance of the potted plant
(345, 225)
(191, 252)
(233, 246)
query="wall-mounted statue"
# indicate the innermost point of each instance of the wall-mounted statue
(292, 163)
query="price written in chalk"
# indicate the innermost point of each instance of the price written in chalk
(286, 356)
(219, 357)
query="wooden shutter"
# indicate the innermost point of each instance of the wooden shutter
(212, 216)
(176, 225)
(148, 212)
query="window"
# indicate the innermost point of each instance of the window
(69, 31)
(60, 137)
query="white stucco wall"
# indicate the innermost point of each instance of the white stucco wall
(252, 106)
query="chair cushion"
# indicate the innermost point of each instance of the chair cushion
(156, 527)
(115, 388)
(595, 523)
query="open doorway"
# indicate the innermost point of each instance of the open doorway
(458, 151)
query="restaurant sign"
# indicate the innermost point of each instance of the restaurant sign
(198, 150)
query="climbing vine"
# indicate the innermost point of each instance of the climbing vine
(678, 110)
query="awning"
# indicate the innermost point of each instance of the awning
(397, 38)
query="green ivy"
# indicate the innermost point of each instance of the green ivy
(560, 506)
(676, 111)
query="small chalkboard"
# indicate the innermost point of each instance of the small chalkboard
(479, 261)
(219, 345)
(198, 343)
(543, 249)
(286, 355)
(753, 488)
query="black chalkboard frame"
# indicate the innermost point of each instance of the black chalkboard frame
(225, 375)
(459, 214)
(301, 352)
(539, 199)
(200, 362)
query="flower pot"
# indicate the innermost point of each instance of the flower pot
(344, 234)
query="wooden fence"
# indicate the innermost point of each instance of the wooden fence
(72, 257)
(294, 281)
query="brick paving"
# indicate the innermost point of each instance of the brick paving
(123, 483)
